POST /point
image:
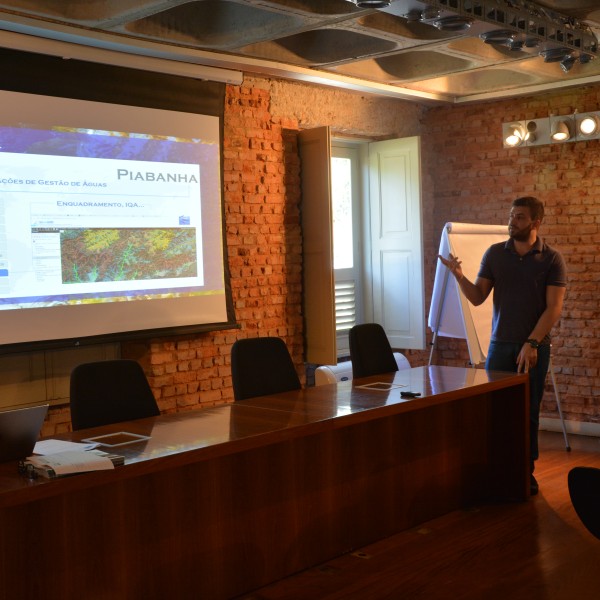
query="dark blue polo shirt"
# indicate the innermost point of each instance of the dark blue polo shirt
(519, 295)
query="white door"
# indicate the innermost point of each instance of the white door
(396, 241)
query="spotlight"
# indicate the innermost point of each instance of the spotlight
(413, 15)
(516, 135)
(516, 45)
(454, 23)
(506, 37)
(555, 54)
(430, 13)
(566, 64)
(501, 37)
(560, 131)
(589, 125)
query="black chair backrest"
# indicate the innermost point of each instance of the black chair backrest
(370, 351)
(584, 489)
(262, 366)
(110, 391)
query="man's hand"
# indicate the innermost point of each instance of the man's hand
(527, 358)
(453, 264)
(477, 292)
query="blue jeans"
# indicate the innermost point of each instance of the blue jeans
(502, 356)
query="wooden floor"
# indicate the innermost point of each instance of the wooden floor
(537, 550)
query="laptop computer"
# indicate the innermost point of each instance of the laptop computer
(19, 431)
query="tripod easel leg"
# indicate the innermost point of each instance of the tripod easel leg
(556, 394)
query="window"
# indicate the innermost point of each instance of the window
(345, 194)
(381, 278)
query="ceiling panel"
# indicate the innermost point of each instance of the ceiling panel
(430, 48)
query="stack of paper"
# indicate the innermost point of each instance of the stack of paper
(69, 461)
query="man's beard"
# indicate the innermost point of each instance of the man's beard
(521, 235)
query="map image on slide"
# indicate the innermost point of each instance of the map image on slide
(102, 255)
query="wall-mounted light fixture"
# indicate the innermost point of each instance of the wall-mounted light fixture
(515, 134)
(561, 129)
(588, 125)
(551, 130)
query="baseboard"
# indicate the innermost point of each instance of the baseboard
(574, 427)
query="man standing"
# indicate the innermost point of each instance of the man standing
(529, 281)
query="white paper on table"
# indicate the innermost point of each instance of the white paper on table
(45, 447)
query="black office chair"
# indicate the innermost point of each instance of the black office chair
(110, 391)
(370, 351)
(262, 366)
(584, 489)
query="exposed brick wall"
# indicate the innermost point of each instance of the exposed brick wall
(261, 171)
(474, 180)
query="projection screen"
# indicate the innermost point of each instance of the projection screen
(110, 220)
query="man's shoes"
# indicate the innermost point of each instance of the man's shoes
(534, 487)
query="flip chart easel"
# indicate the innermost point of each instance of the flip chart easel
(451, 314)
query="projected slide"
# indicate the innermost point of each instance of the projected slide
(110, 219)
(76, 228)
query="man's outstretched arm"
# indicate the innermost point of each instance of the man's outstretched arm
(476, 293)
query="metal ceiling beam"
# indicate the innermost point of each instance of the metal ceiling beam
(524, 18)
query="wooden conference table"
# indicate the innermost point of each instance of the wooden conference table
(224, 500)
